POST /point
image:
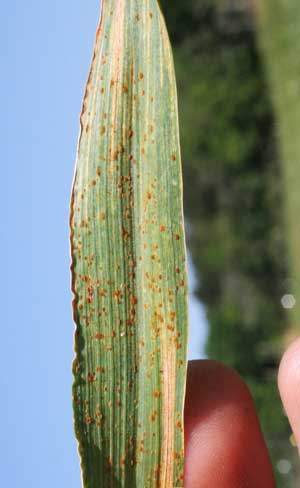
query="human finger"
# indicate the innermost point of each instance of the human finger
(289, 386)
(223, 440)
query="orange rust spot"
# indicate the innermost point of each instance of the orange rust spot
(177, 237)
(99, 336)
(87, 128)
(172, 316)
(180, 363)
(133, 300)
(91, 377)
(98, 171)
(102, 90)
(88, 420)
(181, 282)
(141, 76)
(100, 369)
(148, 195)
(130, 133)
(117, 295)
(102, 215)
(173, 157)
(180, 477)
(125, 233)
(137, 17)
(156, 394)
(160, 318)
(94, 182)
(124, 88)
(150, 15)
(112, 83)
(162, 228)
(90, 290)
(152, 416)
(171, 327)
(103, 130)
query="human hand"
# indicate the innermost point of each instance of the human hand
(224, 444)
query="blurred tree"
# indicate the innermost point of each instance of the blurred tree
(233, 196)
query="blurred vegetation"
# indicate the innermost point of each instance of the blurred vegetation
(278, 33)
(234, 198)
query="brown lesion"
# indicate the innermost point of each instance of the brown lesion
(92, 378)
(99, 336)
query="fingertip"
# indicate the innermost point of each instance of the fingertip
(222, 432)
(289, 367)
(289, 386)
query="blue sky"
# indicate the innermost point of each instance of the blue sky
(46, 49)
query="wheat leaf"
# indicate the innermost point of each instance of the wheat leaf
(128, 258)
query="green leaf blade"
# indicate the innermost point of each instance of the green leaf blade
(128, 258)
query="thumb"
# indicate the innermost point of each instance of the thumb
(289, 386)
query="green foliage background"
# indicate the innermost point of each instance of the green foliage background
(234, 199)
